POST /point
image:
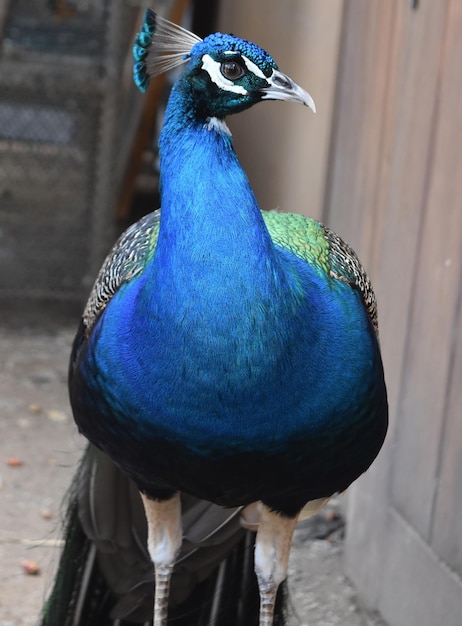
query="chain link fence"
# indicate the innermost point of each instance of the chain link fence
(64, 97)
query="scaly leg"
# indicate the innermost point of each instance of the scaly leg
(164, 542)
(272, 548)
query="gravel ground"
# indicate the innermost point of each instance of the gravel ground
(39, 450)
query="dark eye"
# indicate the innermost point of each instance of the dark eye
(232, 70)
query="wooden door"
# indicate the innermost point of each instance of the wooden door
(394, 191)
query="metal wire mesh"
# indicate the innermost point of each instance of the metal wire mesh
(68, 27)
(60, 75)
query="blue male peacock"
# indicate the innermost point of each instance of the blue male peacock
(225, 357)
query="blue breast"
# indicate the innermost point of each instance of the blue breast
(245, 372)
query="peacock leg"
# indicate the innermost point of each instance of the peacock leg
(272, 549)
(164, 542)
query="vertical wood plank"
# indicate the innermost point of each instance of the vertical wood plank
(429, 338)
(445, 226)
(369, 60)
(401, 186)
(446, 536)
(342, 207)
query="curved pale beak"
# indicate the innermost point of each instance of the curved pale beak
(281, 87)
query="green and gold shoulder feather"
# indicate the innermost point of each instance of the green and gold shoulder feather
(315, 243)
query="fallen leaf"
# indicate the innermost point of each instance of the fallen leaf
(31, 568)
(46, 513)
(13, 461)
(34, 408)
(57, 416)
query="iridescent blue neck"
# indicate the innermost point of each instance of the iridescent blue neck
(210, 216)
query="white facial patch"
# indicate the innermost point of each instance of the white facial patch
(212, 67)
(254, 68)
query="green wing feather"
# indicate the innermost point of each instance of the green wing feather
(315, 243)
(301, 235)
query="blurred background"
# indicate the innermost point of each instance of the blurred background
(380, 163)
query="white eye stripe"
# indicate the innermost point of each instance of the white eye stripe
(253, 68)
(212, 67)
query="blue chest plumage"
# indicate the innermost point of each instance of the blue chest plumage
(224, 370)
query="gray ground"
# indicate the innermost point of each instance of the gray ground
(39, 449)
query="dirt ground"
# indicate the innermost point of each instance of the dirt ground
(39, 450)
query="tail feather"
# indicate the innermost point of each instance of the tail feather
(105, 576)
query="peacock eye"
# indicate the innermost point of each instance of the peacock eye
(232, 70)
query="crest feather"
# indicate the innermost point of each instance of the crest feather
(159, 47)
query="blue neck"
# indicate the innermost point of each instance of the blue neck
(212, 236)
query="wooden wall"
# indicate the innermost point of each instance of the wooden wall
(381, 163)
(395, 192)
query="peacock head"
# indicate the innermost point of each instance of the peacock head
(224, 74)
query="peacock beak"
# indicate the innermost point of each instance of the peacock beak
(281, 87)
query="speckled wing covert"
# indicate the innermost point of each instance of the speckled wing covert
(315, 243)
(126, 260)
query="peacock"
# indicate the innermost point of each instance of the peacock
(226, 371)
